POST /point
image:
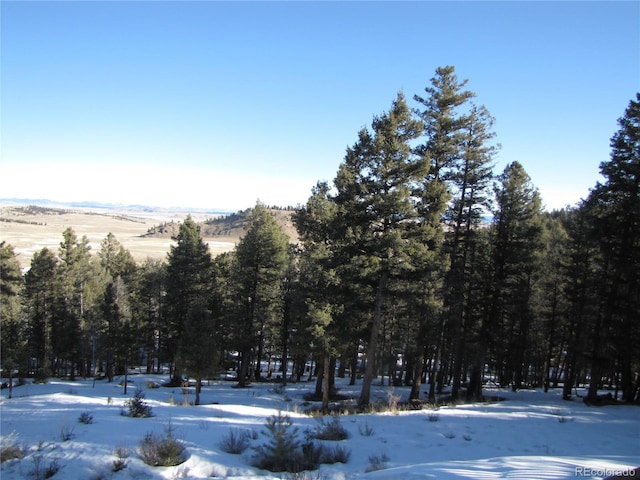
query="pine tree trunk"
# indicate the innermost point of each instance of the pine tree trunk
(10, 382)
(198, 390)
(365, 394)
(417, 377)
(457, 362)
(176, 378)
(420, 366)
(594, 383)
(353, 370)
(257, 374)
(474, 392)
(319, 379)
(343, 368)
(285, 346)
(332, 377)
(244, 369)
(284, 361)
(325, 384)
(597, 367)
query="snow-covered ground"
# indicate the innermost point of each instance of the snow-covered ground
(530, 435)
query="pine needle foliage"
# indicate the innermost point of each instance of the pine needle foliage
(280, 453)
(136, 406)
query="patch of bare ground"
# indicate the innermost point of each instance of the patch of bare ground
(145, 234)
(30, 229)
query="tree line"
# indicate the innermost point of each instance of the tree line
(417, 265)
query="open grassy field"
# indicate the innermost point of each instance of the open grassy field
(29, 230)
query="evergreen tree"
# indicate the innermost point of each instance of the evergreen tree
(116, 260)
(199, 346)
(119, 337)
(376, 208)
(261, 260)
(460, 152)
(318, 280)
(119, 332)
(224, 308)
(424, 285)
(12, 326)
(442, 121)
(551, 304)
(581, 291)
(150, 291)
(82, 285)
(516, 247)
(615, 205)
(292, 339)
(40, 294)
(189, 284)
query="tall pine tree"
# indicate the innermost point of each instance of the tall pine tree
(260, 263)
(376, 209)
(516, 246)
(459, 149)
(12, 326)
(189, 284)
(40, 294)
(615, 205)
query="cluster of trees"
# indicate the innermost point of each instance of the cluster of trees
(417, 263)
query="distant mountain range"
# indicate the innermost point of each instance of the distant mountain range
(43, 202)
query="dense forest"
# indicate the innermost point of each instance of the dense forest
(417, 265)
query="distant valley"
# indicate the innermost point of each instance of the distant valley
(144, 231)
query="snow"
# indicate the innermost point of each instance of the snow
(530, 435)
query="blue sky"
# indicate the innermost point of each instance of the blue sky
(219, 104)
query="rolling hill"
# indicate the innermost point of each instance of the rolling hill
(145, 232)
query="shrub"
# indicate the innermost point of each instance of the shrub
(392, 401)
(122, 452)
(281, 453)
(10, 449)
(66, 431)
(433, 416)
(51, 469)
(41, 471)
(136, 406)
(86, 418)
(236, 442)
(365, 430)
(336, 454)
(332, 430)
(120, 463)
(377, 462)
(162, 450)
(311, 456)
